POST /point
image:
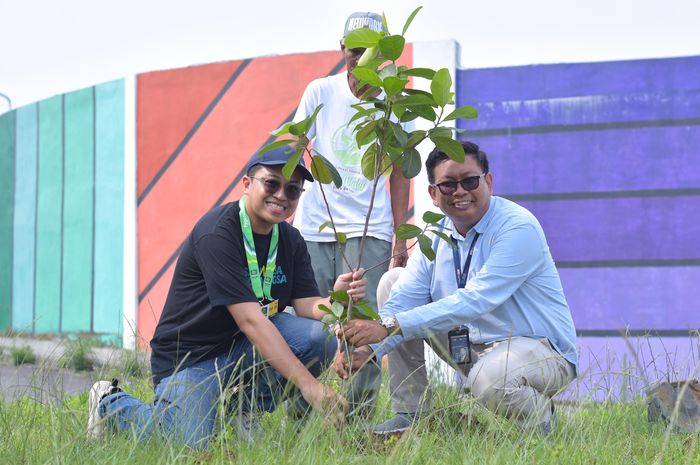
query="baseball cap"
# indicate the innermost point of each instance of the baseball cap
(361, 19)
(276, 157)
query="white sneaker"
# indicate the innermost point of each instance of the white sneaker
(98, 391)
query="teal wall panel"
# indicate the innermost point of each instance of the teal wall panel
(49, 216)
(25, 218)
(78, 195)
(109, 208)
(7, 186)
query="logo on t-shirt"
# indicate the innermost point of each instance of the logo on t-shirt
(278, 277)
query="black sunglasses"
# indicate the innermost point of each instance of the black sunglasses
(468, 184)
(291, 191)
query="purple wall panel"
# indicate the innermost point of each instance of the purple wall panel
(624, 159)
(633, 298)
(585, 109)
(568, 80)
(649, 228)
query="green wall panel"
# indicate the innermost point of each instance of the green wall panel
(109, 207)
(7, 186)
(25, 219)
(49, 216)
(78, 165)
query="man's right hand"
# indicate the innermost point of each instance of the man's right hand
(332, 406)
(360, 357)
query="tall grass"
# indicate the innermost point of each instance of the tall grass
(457, 431)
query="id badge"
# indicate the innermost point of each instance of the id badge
(271, 308)
(460, 349)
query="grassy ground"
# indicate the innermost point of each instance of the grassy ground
(456, 432)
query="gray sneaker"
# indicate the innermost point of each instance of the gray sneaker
(99, 391)
(398, 424)
(550, 425)
(247, 427)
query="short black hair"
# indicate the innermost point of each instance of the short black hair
(470, 149)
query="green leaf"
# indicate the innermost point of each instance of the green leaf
(369, 162)
(414, 100)
(408, 231)
(374, 63)
(325, 225)
(282, 130)
(440, 87)
(393, 85)
(367, 56)
(410, 163)
(466, 112)
(426, 246)
(341, 237)
(444, 237)
(320, 171)
(274, 145)
(426, 73)
(364, 113)
(399, 111)
(337, 180)
(450, 147)
(337, 309)
(388, 70)
(309, 121)
(416, 137)
(399, 133)
(441, 132)
(425, 112)
(367, 75)
(407, 115)
(291, 164)
(366, 309)
(324, 308)
(329, 319)
(362, 38)
(432, 217)
(420, 92)
(366, 133)
(409, 20)
(340, 296)
(392, 46)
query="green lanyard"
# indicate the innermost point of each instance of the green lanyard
(261, 291)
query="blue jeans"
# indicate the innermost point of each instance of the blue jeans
(186, 403)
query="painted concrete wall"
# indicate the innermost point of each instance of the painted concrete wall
(607, 156)
(604, 154)
(62, 181)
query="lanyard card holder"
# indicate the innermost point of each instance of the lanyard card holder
(270, 308)
(460, 347)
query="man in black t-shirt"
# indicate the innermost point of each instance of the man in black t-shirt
(239, 267)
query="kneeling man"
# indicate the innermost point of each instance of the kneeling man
(493, 306)
(223, 325)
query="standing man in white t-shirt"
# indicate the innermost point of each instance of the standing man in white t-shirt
(349, 204)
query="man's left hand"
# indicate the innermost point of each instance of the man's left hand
(363, 332)
(354, 283)
(400, 254)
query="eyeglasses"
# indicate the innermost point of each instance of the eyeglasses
(291, 191)
(468, 184)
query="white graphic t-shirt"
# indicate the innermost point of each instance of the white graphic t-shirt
(335, 141)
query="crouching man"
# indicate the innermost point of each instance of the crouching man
(493, 306)
(223, 325)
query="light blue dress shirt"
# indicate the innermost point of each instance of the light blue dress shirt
(513, 287)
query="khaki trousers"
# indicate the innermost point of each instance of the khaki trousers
(515, 377)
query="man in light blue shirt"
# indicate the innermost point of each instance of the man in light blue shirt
(499, 285)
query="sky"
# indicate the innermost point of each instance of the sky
(49, 47)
